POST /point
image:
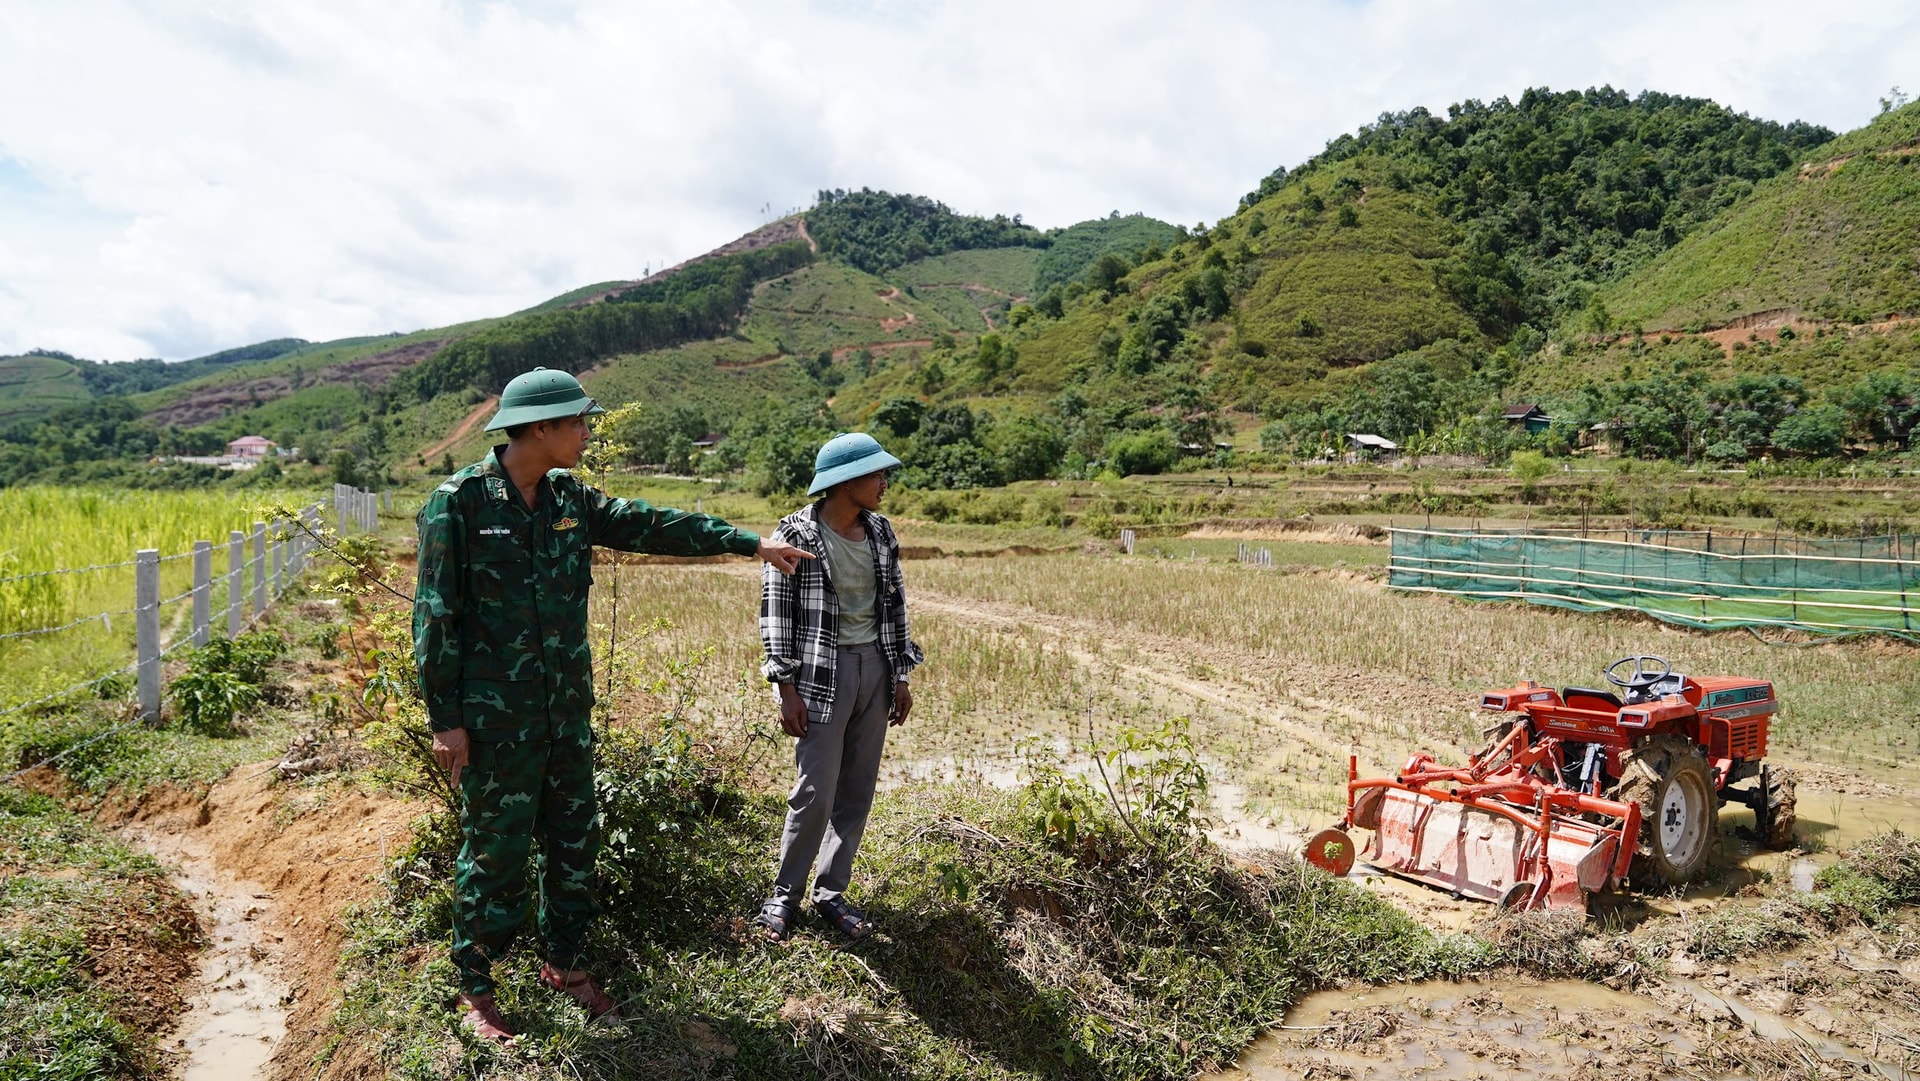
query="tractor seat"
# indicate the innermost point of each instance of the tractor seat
(1589, 698)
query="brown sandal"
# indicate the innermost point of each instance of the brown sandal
(482, 1018)
(583, 990)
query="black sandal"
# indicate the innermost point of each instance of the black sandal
(777, 918)
(845, 918)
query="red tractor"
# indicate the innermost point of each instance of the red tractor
(1578, 791)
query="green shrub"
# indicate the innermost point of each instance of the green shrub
(225, 680)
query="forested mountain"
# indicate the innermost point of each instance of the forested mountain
(1585, 250)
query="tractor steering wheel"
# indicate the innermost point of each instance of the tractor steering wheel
(1644, 674)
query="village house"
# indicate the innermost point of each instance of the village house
(251, 446)
(1529, 415)
(1371, 448)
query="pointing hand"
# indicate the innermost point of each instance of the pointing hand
(784, 557)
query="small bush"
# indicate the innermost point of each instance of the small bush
(225, 680)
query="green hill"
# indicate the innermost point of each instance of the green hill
(1837, 238)
(37, 384)
(1337, 284)
(1071, 251)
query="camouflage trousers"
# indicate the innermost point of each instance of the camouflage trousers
(518, 793)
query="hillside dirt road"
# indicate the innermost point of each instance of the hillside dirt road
(462, 430)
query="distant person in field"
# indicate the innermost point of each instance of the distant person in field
(839, 655)
(500, 636)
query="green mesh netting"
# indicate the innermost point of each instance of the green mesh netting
(1695, 578)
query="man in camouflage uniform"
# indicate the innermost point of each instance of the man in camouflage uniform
(500, 636)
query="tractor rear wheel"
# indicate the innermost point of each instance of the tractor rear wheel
(1776, 818)
(1679, 812)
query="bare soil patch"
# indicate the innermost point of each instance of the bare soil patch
(466, 426)
(216, 402)
(312, 850)
(143, 955)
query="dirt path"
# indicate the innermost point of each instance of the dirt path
(906, 317)
(465, 427)
(1766, 327)
(237, 1011)
(270, 871)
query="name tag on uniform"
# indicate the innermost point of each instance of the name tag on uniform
(565, 523)
(496, 531)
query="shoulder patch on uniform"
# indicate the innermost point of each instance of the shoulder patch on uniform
(565, 523)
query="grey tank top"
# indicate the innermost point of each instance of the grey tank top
(850, 565)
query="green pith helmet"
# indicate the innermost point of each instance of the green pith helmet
(844, 457)
(542, 394)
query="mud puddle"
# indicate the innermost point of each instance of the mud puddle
(1775, 1026)
(238, 1012)
(1441, 1031)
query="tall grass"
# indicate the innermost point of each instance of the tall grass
(46, 529)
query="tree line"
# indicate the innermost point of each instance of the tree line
(708, 303)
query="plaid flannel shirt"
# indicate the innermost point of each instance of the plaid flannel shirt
(800, 613)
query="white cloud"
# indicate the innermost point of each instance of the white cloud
(176, 179)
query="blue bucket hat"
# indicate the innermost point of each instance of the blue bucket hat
(845, 457)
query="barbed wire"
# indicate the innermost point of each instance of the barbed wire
(105, 617)
(81, 686)
(178, 597)
(67, 570)
(245, 539)
(81, 746)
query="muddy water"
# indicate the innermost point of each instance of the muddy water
(1443, 1031)
(238, 1012)
(1773, 1026)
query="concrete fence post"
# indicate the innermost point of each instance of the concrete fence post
(146, 631)
(259, 567)
(202, 592)
(236, 581)
(279, 562)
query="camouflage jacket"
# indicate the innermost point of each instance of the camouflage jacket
(500, 609)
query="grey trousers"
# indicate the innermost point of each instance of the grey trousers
(839, 764)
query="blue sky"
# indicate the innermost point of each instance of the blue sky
(181, 178)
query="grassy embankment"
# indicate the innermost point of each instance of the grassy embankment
(94, 948)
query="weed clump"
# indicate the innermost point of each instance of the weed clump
(1877, 877)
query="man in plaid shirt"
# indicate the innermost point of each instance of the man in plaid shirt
(839, 652)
